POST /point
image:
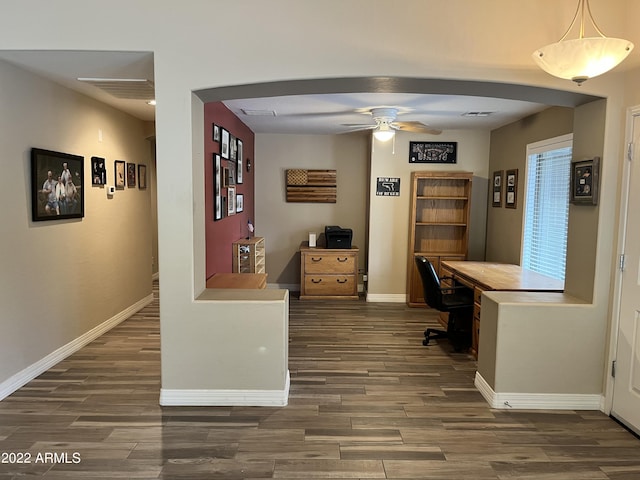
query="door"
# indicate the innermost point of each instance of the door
(626, 391)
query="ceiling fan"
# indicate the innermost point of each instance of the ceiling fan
(386, 124)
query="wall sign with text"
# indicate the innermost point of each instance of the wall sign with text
(388, 187)
(433, 152)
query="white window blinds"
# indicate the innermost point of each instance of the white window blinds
(547, 206)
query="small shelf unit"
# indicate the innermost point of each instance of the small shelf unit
(249, 255)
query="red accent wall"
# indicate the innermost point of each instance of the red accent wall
(220, 234)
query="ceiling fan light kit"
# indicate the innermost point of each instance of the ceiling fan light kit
(584, 57)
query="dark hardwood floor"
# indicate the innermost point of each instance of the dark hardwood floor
(367, 401)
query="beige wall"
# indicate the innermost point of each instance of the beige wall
(389, 216)
(61, 279)
(525, 339)
(296, 45)
(509, 151)
(284, 225)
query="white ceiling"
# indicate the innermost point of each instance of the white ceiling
(300, 113)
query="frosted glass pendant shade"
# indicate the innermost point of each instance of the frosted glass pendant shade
(383, 135)
(582, 58)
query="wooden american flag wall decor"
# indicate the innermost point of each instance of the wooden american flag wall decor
(317, 186)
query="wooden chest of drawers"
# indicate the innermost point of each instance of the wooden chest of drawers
(328, 273)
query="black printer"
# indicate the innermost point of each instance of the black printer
(337, 237)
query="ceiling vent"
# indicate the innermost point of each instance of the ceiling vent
(477, 114)
(127, 88)
(259, 113)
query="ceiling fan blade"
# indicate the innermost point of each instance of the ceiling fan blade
(416, 127)
(364, 126)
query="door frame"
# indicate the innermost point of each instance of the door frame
(632, 113)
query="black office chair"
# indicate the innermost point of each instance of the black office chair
(457, 301)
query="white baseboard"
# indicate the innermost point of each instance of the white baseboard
(225, 398)
(23, 377)
(387, 297)
(537, 401)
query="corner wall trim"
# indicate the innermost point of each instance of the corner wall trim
(538, 401)
(23, 377)
(226, 397)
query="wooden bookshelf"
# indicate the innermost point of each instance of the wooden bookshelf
(439, 223)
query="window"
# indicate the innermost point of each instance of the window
(547, 206)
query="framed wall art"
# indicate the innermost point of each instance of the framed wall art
(585, 179)
(240, 163)
(119, 174)
(511, 189)
(231, 200)
(433, 152)
(217, 188)
(131, 175)
(239, 202)
(224, 143)
(215, 132)
(497, 189)
(98, 171)
(233, 148)
(142, 177)
(57, 185)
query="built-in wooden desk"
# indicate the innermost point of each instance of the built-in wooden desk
(238, 280)
(483, 276)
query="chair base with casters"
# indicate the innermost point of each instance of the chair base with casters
(457, 301)
(458, 330)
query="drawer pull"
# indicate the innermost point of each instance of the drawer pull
(316, 259)
(344, 280)
(313, 280)
(342, 259)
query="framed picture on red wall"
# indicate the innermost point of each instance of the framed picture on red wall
(224, 143)
(231, 200)
(239, 163)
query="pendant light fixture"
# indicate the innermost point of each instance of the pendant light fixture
(584, 57)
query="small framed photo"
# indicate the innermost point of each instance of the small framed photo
(511, 189)
(119, 167)
(231, 200)
(224, 143)
(131, 175)
(240, 163)
(142, 177)
(98, 171)
(215, 134)
(585, 179)
(57, 186)
(497, 189)
(239, 202)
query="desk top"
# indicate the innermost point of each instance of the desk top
(238, 280)
(504, 276)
